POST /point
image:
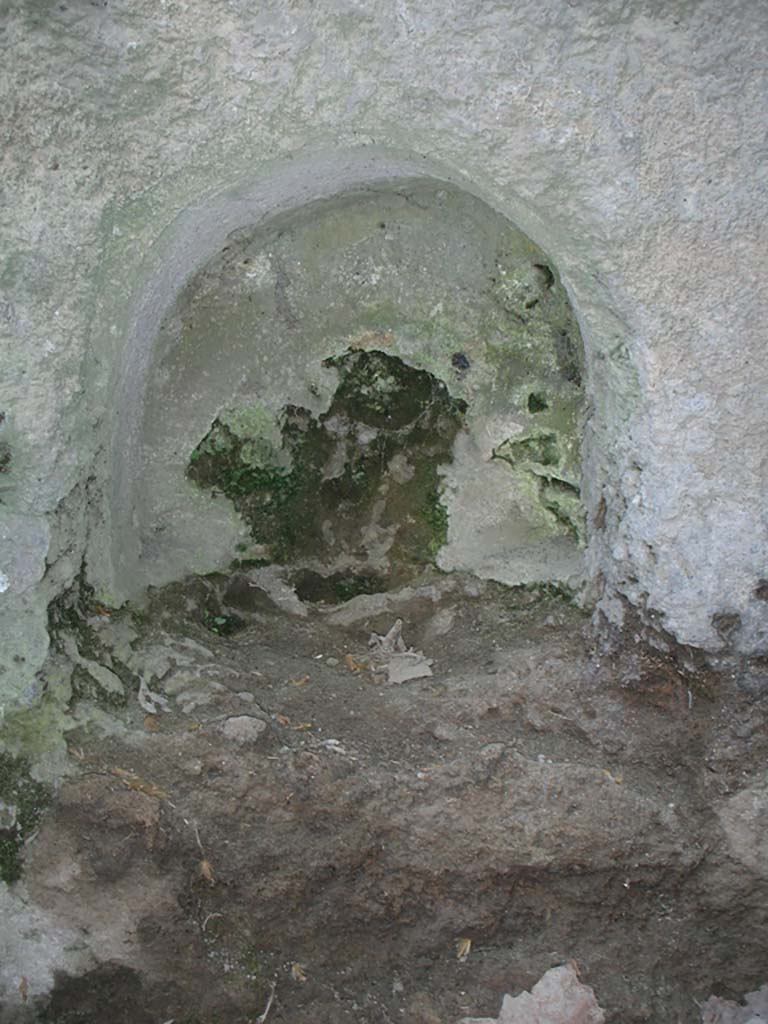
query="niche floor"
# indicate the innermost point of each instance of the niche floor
(298, 836)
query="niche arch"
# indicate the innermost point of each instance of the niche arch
(467, 299)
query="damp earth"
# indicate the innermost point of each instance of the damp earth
(272, 822)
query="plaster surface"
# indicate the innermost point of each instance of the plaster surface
(624, 139)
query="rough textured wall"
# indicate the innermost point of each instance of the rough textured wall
(415, 272)
(623, 138)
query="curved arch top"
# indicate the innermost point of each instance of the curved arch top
(196, 236)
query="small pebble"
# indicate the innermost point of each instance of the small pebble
(445, 732)
(243, 728)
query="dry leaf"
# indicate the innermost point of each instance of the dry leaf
(129, 779)
(148, 789)
(76, 752)
(302, 727)
(24, 989)
(207, 871)
(353, 664)
(297, 973)
(151, 723)
(463, 947)
(283, 719)
(302, 681)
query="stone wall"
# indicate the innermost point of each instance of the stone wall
(624, 139)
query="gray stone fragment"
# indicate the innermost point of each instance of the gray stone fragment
(724, 1011)
(391, 656)
(7, 815)
(200, 694)
(243, 728)
(744, 819)
(153, 662)
(108, 680)
(558, 998)
(150, 701)
(445, 732)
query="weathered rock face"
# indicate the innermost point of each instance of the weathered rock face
(374, 383)
(725, 1011)
(623, 140)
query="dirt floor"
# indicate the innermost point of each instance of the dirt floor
(298, 840)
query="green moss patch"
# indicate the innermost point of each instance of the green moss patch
(540, 447)
(22, 802)
(366, 466)
(542, 455)
(563, 500)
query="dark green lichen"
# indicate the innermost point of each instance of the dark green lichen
(435, 515)
(569, 355)
(266, 495)
(541, 447)
(22, 802)
(382, 391)
(68, 624)
(563, 500)
(68, 614)
(343, 475)
(537, 402)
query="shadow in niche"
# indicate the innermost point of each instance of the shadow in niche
(338, 587)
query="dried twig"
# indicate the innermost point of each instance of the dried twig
(262, 1017)
(197, 837)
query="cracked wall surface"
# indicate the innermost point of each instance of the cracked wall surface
(623, 139)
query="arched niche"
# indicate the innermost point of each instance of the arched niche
(266, 299)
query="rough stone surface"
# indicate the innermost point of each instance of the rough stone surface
(724, 1011)
(33, 945)
(243, 728)
(558, 998)
(744, 819)
(407, 279)
(624, 139)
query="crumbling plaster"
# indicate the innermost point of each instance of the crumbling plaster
(625, 138)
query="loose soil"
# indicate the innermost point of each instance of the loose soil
(295, 829)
